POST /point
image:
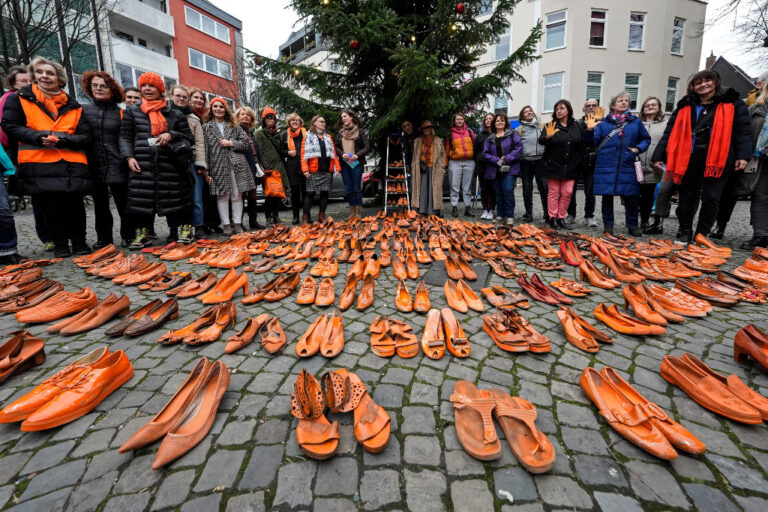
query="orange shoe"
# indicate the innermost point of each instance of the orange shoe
(194, 287)
(406, 343)
(20, 353)
(421, 303)
(284, 287)
(455, 339)
(403, 300)
(247, 334)
(751, 342)
(596, 278)
(625, 324)
(226, 315)
(412, 267)
(452, 267)
(204, 320)
(331, 268)
(348, 295)
(398, 268)
(272, 336)
(474, 423)
(382, 343)
(433, 338)
(103, 312)
(307, 291)
(578, 332)
(141, 276)
(226, 288)
(84, 393)
(640, 306)
(326, 293)
(470, 297)
(316, 436)
(365, 299)
(466, 269)
(60, 305)
(309, 343)
(454, 297)
(372, 267)
(332, 342)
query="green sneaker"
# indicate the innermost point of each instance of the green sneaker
(50, 246)
(185, 234)
(141, 241)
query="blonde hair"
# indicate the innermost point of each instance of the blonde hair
(762, 98)
(293, 116)
(60, 72)
(248, 111)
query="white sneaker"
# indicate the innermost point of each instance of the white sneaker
(570, 219)
(499, 219)
(510, 221)
(591, 222)
(484, 216)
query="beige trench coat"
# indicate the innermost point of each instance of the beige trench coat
(438, 172)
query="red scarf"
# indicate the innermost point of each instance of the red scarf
(51, 103)
(292, 134)
(152, 109)
(680, 143)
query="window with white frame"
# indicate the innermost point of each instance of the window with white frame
(205, 24)
(671, 101)
(555, 30)
(636, 30)
(553, 90)
(677, 36)
(486, 7)
(501, 48)
(210, 96)
(597, 29)
(632, 86)
(205, 62)
(594, 86)
(500, 104)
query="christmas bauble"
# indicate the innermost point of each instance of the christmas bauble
(354, 44)
(460, 8)
(257, 61)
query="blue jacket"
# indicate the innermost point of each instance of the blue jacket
(615, 163)
(511, 149)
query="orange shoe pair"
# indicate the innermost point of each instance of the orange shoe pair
(309, 293)
(500, 297)
(72, 392)
(625, 324)
(636, 418)
(513, 333)
(579, 332)
(324, 335)
(444, 330)
(187, 417)
(22, 352)
(206, 328)
(474, 410)
(272, 335)
(58, 306)
(90, 318)
(325, 268)
(226, 288)
(390, 336)
(461, 297)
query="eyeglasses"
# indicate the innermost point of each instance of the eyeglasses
(100, 86)
(320, 121)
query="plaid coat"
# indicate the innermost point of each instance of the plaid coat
(220, 159)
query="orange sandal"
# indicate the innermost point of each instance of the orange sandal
(474, 425)
(317, 437)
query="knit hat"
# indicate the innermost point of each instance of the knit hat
(152, 79)
(267, 111)
(214, 100)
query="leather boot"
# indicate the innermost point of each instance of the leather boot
(656, 228)
(755, 241)
(321, 217)
(305, 219)
(718, 233)
(351, 211)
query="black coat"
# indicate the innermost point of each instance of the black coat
(563, 152)
(163, 184)
(362, 146)
(104, 161)
(292, 163)
(43, 178)
(741, 139)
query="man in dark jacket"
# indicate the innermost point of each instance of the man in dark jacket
(52, 135)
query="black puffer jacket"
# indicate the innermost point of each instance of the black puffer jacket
(563, 152)
(43, 178)
(163, 184)
(292, 163)
(741, 140)
(104, 161)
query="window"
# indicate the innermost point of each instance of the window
(671, 102)
(632, 86)
(555, 30)
(677, 36)
(500, 104)
(553, 90)
(205, 24)
(597, 29)
(229, 101)
(210, 64)
(636, 30)
(129, 75)
(486, 7)
(501, 48)
(122, 35)
(142, 43)
(594, 86)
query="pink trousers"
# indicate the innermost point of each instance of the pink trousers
(558, 198)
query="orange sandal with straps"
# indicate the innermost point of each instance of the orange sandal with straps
(317, 437)
(474, 425)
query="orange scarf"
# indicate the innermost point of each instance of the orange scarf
(681, 143)
(426, 150)
(292, 134)
(152, 109)
(51, 103)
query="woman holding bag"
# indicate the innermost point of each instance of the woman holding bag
(319, 164)
(268, 139)
(225, 145)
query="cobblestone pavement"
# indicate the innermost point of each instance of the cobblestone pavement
(250, 460)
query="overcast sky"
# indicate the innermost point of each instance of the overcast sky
(266, 28)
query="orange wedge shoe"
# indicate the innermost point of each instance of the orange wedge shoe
(455, 339)
(454, 297)
(421, 303)
(472, 410)
(433, 338)
(307, 291)
(317, 437)
(403, 300)
(530, 445)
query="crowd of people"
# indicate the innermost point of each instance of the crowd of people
(193, 161)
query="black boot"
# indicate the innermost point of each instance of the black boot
(684, 237)
(468, 212)
(561, 224)
(553, 223)
(635, 232)
(718, 233)
(656, 228)
(755, 241)
(173, 235)
(455, 211)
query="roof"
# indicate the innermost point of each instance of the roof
(733, 76)
(219, 13)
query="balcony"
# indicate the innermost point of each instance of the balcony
(134, 12)
(138, 57)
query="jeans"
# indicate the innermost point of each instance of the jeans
(65, 217)
(7, 224)
(589, 196)
(630, 211)
(647, 193)
(462, 173)
(196, 192)
(758, 207)
(505, 195)
(530, 170)
(558, 197)
(353, 182)
(694, 186)
(41, 227)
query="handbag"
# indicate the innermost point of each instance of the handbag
(273, 185)
(181, 149)
(746, 180)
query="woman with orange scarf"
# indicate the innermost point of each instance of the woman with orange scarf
(52, 135)
(290, 150)
(156, 141)
(707, 138)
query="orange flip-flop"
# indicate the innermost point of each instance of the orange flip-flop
(474, 424)
(317, 437)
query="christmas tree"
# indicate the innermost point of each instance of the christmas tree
(398, 59)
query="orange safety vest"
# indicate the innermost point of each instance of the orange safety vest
(65, 124)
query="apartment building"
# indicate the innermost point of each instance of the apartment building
(185, 41)
(597, 48)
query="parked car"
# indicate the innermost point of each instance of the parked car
(338, 191)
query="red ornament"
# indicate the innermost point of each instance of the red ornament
(257, 61)
(460, 8)
(354, 44)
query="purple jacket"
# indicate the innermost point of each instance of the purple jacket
(511, 150)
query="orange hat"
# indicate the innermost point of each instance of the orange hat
(152, 79)
(214, 100)
(267, 111)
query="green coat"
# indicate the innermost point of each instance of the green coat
(269, 154)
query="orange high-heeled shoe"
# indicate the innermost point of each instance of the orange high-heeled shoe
(226, 288)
